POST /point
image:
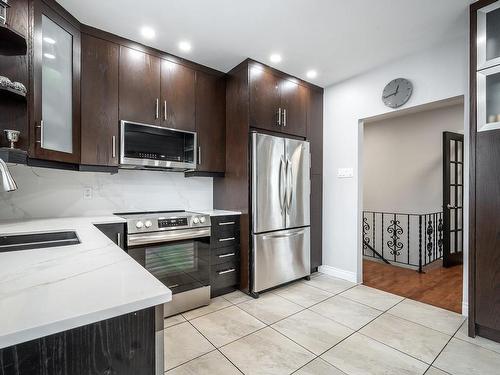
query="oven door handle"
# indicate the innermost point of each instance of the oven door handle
(166, 236)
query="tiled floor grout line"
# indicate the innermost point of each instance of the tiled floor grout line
(444, 347)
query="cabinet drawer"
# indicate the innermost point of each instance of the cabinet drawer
(224, 275)
(225, 254)
(225, 240)
(223, 229)
(221, 223)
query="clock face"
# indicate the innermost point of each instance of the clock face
(397, 92)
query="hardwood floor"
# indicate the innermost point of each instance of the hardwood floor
(439, 286)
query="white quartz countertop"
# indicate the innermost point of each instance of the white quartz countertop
(218, 212)
(50, 290)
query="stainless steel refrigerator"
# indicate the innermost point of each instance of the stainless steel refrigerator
(280, 211)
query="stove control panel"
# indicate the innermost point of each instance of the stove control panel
(172, 223)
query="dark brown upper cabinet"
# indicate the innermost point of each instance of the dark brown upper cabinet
(211, 122)
(315, 129)
(140, 81)
(56, 86)
(100, 122)
(178, 96)
(276, 103)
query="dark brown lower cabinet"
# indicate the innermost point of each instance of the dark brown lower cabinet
(99, 100)
(124, 345)
(316, 221)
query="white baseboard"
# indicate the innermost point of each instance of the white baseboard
(465, 309)
(337, 272)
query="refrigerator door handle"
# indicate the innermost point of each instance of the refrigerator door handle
(289, 182)
(281, 189)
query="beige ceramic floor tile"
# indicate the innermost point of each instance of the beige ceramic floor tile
(433, 317)
(372, 297)
(418, 341)
(462, 358)
(330, 284)
(481, 341)
(435, 371)
(184, 343)
(347, 312)
(318, 367)
(215, 304)
(270, 308)
(361, 355)
(211, 363)
(313, 331)
(266, 352)
(226, 325)
(173, 320)
(237, 297)
(303, 295)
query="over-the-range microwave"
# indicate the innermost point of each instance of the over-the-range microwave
(154, 147)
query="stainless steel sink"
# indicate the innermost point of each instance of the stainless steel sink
(16, 242)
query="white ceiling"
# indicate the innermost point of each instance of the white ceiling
(338, 38)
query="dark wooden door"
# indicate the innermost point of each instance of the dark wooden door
(100, 61)
(315, 129)
(265, 99)
(56, 62)
(453, 198)
(139, 87)
(316, 221)
(294, 106)
(178, 96)
(211, 122)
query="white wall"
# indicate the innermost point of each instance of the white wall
(438, 73)
(55, 193)
(403, 160)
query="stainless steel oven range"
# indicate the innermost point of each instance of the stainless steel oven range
(174, 246)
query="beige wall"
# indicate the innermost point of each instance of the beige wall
(402, 160)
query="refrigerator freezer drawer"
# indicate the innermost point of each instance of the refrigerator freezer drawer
(280, 257)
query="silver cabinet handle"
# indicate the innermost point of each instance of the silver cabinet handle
(119, 239)
(226, 271)
(279, 116)
(41, 134)
(226, 239)
(157, 108)
(172, 286)
(165, 110)
(227, 223)
(199, 155)
(284, 117)
(226, 255)
(113, 145)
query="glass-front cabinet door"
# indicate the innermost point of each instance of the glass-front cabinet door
(57, 87)
(488, 67)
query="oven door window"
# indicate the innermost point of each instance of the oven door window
(181, 265)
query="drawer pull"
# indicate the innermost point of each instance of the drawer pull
(227, 239)
(173, 286)
(227, 223)
(226, 255)
(226, 271)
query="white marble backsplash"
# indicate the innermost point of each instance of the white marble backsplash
(46, 193)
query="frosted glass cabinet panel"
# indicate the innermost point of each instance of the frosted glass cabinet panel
(488, 36)
(57, 87)
(488, 99)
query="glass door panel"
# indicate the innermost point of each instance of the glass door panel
(57, 87)
(488, 36)
(488, 99)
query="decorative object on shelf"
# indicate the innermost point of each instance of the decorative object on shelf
(9, 87)
(397, 92)
(18, 86)
(12, 136)
(3, 11)
(4, 81)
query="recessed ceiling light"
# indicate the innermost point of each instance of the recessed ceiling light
(48, 40)
(185, 46)
(275, 58)
(49, 56)
(312, 74)
(148, 32)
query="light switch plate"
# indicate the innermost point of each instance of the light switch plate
(345, 173)
(87, 193)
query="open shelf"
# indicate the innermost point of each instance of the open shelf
(6, 92)
(12, 43)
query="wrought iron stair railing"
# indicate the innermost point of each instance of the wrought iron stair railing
(413, 240)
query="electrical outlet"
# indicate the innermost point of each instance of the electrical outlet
(87, 193)
(345, 173)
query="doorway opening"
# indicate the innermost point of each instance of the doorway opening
(413, 196)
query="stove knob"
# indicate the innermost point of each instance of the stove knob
(202, 219)
(139, 224)
(148, 224)
(196, 220)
